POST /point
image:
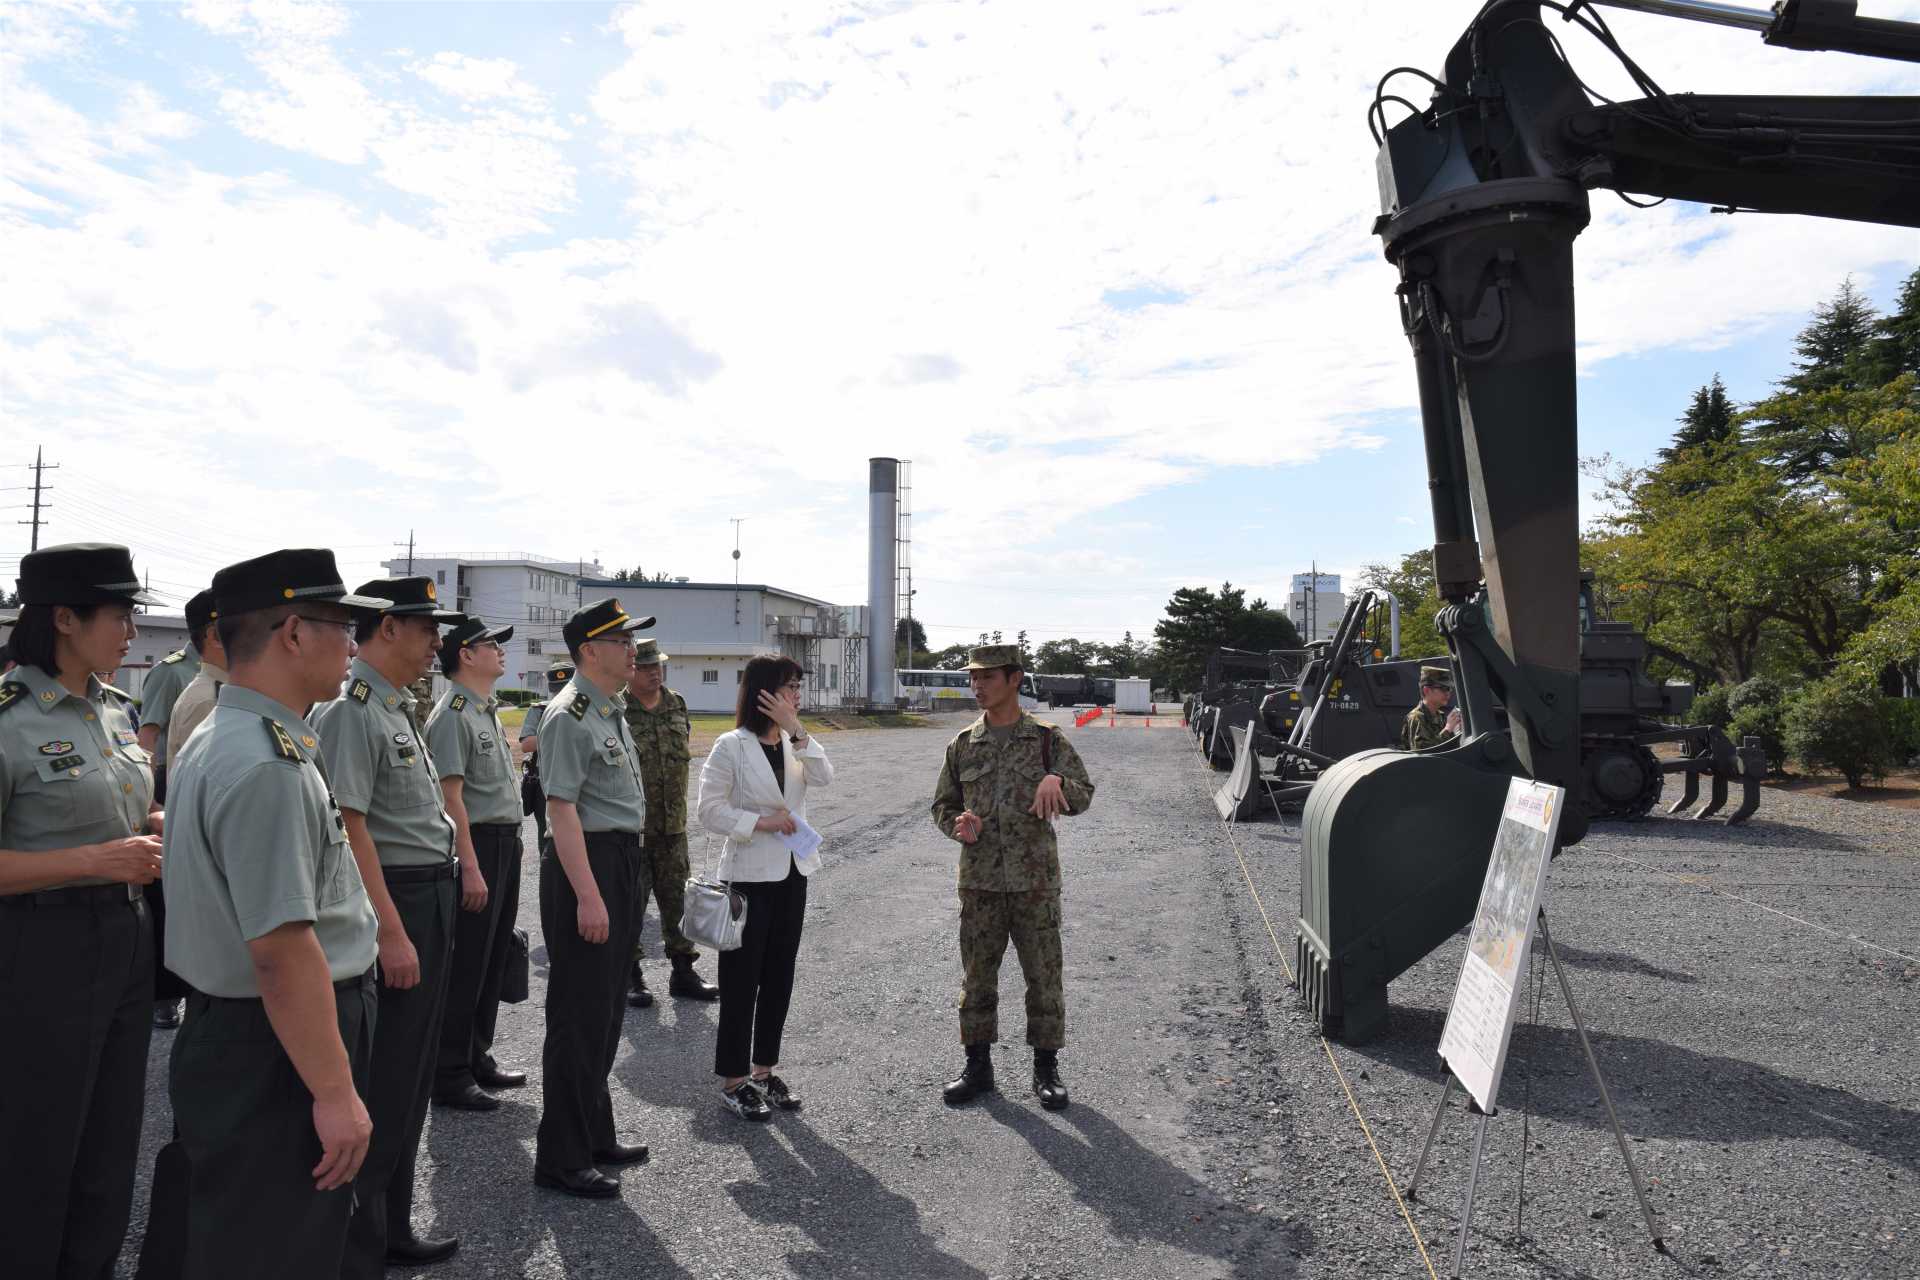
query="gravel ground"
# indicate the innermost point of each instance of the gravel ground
(1760, 1062)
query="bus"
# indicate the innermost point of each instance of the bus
(946, 690)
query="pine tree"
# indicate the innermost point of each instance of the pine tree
(1896, 346)
(1708, 420)
(1831, 346)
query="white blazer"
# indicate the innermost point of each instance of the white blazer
(737, 790)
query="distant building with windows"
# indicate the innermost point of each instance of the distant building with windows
(1315, 605)
(533, 593)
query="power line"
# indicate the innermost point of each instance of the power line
(40, 468)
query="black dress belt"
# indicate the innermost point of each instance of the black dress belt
(112, 895)
(497, 830)
(448, 870)
(345, 984)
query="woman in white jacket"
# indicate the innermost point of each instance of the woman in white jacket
(753, 791)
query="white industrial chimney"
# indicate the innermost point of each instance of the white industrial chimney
(883, 531)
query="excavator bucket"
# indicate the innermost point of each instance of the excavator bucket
(1238, 798)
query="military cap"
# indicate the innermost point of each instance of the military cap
(200, 610)
(558, 674)
(988, 657)
(475, 631)
(80, 573)
(646, 653)
(601, 618)
(285, 577)
(1436, 677)
(410, 598)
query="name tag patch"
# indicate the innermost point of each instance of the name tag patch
(57, 749)
(125, 737)
(69, 762)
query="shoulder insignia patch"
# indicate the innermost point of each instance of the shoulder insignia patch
(119, 693)
(178, 655)
(11, 693)
(578, 707)
(283, 744)
(360, 691)
(459, 702)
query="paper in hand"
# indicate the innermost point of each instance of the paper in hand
(804, 839)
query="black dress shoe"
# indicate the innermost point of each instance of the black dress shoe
(411, 1251)
(639, 997)
(685, 984)
(166, 1014)
(466, 1098)
(622, 1153)
(1047, 1085)
(590, 1183)
(493, 1077)
(975, 1080)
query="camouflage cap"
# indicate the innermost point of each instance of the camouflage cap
(1436, 677)
(988, 657)
(646, 653)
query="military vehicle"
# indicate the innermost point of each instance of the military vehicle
(1483, 192)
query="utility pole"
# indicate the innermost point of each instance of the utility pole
(737, 522)
(409, 552)
(39, 467)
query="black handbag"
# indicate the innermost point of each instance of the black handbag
(513, 979)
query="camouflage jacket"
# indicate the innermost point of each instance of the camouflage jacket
(1015, 851)
(1423, 729)
(661, 743)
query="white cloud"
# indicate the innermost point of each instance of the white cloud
(835, 238)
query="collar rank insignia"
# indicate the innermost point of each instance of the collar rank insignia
(308, 741)
(10, 694)
(55, 748)
(459, 702)
(283, 745)
(360, 691)
(578, 707)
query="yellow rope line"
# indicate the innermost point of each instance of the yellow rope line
(1338, 1074)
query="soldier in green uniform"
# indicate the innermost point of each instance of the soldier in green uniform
(376, 757)
(163, 686)
(76, 986)
(662, 734)
(470, 751)
(1430, 724)
(533, 799)
(592, 882)
(1004, 780)
(270, 925)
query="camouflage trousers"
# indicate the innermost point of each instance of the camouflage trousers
(1032, 920)
(669, 857)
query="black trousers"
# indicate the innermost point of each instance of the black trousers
(586, 998)
(76, 999)
(756, 978)
(246, 1119)
(479, 958)
(401, 1075)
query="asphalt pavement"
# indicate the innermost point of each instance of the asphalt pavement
(1752, 993)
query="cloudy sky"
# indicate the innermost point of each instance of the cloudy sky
(591, 280)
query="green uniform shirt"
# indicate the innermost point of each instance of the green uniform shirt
(466, 742)
(71, 768)
(254, 841)
(1423, 729)
(662, 741)
(162, 689)
(997, 781)
(586, 757)
(370, 741)
(531, 724)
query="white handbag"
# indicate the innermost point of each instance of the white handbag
(714, 914)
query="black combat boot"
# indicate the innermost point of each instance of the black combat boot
(1047, 1085)
(976, 1079)
(639, 997)
(685, 984)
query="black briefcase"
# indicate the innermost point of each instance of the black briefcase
(513, 979)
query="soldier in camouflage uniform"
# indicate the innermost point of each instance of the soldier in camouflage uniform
(657, 719)
(1429, 724)
(1004, 780)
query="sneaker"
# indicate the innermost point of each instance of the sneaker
(775, 1091)
(745, 1101)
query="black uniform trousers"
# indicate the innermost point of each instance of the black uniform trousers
(76, 998)
(401, 1075)
(586, 998)
(246, 1119)
(756, 978)
(479, 959)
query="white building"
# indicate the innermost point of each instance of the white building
(1315, 605)
(709, 630)
(533, 593)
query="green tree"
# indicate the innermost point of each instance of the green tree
(1411, 582)
(1066, 657)
(1709, 419)
(1836, 724)
(1833, 343)
(1198, 621)
(951, 658)
(909, 644)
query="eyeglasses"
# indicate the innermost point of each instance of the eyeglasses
(494, 645)
(345, 625)
(622, 641)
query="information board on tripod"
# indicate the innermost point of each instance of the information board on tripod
(1488, 993)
